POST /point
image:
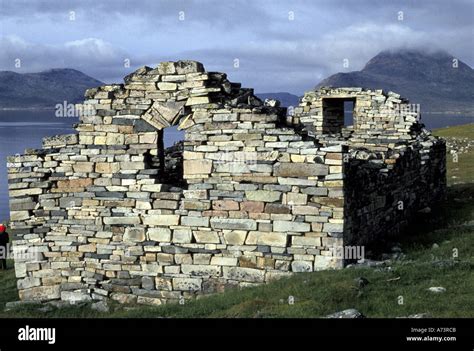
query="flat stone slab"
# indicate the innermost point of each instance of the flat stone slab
(300, 169)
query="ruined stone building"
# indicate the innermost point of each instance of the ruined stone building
(252, 194)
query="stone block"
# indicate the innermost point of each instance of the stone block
(148, 283)
(235, 237)
(107, 167)
(166, 68)
(306, 241)
(75, 297)
(252, 206)
(83, 167)
(122, 220)
(206, 237)
(25, 192)
(292, 169)
(27, 283)
(87, 248)
(169, 110)
(263, 195)
(159, 234)
(267, 238)
(277, 208)
(127, 166)
(200, 270)
(197, 100)
(115, 139)
(153, 188)
(27, 203)
(124, 298)
(188, 66)
(244, 274)
(163, 284)
(74, 184)
(224, 261)
(19, 215)
(302, 266)
(327, 262)
(329, 201)
(167, 86)
(195, 221)
(161, 220)
(225, 205)
(187, 284)
(305, 210)
(196, 205)
(68, 202)
(182, 236)
(296, 199)
(134, 235)
(197, 167)
(225, 223)
(195, 194)
(333, 227)
(40, 293)
(289, 226)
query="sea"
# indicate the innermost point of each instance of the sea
(22, 129)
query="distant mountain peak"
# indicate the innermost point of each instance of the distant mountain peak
(429, 77)
(407, 52)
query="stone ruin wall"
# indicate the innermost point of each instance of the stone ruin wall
(263, 194)
(394, 167)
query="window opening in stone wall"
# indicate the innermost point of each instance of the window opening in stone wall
(337, 113)
(170, 156)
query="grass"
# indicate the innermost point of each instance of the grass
(461, 131)
(450, 226)
(461, 170)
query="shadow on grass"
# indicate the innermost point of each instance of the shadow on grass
(455, 212)
(444, 222)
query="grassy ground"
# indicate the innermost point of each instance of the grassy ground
(406, 280)
(462, 131)
(461, 166)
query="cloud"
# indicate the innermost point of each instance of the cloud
(298, 65)
(154, 12)
(276, 51)
(91, 55)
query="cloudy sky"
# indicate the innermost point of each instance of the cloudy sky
(271, 45)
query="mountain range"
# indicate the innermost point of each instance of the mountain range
(435, 80)
(44, 89)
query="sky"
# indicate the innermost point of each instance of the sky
(268, 45)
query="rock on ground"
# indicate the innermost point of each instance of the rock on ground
(437, 289)
(349, 313)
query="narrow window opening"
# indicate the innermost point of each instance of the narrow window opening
(337, 113)
(170, 156)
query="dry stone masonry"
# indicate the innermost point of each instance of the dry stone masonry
(251, 195)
